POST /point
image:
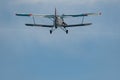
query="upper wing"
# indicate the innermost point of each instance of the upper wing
(39, 15)
(39, 25)
(80, 15)
(75, 25)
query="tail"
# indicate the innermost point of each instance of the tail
(55, 11)
(55, 22)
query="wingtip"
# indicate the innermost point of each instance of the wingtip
(23, 14)
(16, 14)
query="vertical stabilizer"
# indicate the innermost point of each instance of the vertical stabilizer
(55, 23)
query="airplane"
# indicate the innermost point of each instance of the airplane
(58, 20)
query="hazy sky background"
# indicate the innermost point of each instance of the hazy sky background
(86, 53)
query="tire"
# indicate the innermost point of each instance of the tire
(50, 31)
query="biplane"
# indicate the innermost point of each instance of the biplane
(58, 20)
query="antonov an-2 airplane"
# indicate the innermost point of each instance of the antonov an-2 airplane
(58, 20)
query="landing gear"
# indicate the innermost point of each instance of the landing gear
(55, 27)
(63, 28)
(50, 31)
(66, 31)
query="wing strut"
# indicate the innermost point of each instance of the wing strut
(82, 19)
(33, 19)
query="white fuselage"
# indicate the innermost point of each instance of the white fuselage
(60, 22)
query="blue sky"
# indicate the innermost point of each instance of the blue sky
(86, 53)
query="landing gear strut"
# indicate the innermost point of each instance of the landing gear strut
(64, 29)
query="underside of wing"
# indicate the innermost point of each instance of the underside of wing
(76, 25)
(81, 15)
(39, 25)
(36, 15)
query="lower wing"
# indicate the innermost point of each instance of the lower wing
(39, 25)
(75, 25)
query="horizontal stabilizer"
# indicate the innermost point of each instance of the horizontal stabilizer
(39, 25)
(75, 25)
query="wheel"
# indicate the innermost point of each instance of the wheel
(50, 31)
(66, 31)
